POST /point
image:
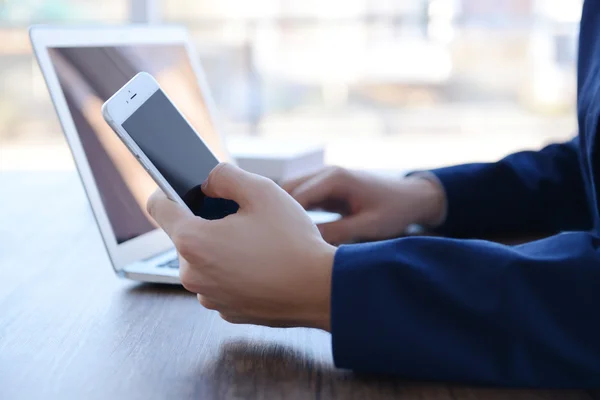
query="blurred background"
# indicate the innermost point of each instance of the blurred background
(382, 83)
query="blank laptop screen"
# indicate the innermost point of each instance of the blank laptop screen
(88, 77)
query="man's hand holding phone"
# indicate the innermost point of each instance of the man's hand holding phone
(266, 264)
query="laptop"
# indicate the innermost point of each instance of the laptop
(83, 67)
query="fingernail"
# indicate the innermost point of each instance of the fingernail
(205, 184)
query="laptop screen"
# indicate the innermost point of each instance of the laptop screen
(88, 77)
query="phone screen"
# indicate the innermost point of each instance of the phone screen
(177, 152)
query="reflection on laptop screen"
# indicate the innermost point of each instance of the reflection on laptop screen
(88, 77)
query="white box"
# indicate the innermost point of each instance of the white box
(276, 159)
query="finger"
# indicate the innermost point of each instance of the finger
(229, 182)
(292, 184)
(167, 213)
(207, 303)
(318, 189)
(234, 319)
(346, 229)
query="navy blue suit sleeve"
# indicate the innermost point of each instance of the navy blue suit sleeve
(527, 192)
(470, 311)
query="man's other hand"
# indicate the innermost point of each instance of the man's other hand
(374, 207)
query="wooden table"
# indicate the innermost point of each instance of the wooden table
(70, 329)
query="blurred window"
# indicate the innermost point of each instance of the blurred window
(386, 68)
(400, 78)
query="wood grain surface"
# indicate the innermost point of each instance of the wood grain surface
(70, 329)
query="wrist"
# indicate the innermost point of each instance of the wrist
(318, 313)
(431, 200)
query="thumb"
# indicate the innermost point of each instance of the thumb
(229, 182)
(347, 229)
(166, 212)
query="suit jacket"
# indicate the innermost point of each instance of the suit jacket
(479, 312)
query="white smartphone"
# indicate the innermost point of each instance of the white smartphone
(165, 144)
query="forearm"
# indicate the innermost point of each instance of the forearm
(470, 311)
(527, 192)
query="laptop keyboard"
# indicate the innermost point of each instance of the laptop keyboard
(174, 264)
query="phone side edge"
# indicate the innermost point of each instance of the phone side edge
(142, 159)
